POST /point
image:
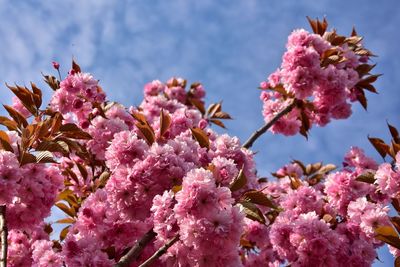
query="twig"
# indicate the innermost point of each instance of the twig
(263, 129)
(135, 251)
(160, 252)
(4, 234)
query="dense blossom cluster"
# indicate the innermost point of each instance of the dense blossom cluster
(325, 86)
(120, 173)
(327, 224)
(120, 213)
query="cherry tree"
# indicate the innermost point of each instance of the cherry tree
(156, 185)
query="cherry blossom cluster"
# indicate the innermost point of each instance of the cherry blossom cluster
(204, 217)
(321, 75)
(330, 223)
(112, 218)
(29, 192)
(159, 169)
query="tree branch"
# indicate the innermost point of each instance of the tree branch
(135, 251)
(262, 130)
(4, 234)
(160, 252)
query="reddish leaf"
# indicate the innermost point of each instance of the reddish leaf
(239, 182)
(51, 146)
(66, 220)
(380, 146)
(71, 130)
(313, 24)
(5, 142)
(327, 168)
(64, 232)
(365, 68)
(221, 115)
(218, 123)
(396, 222)
(75, 66)
(72, 175)
(144, 127)
(102, 181)
(82, 170)
(64, 194)
(25, 97)
(301, 164)
(397, 262)
(48, 229)
(213, 108)
(176, 188)
(18, 117)
(69, 211)
(388, 235)
(393, 132)
(52, 81)
(10, 124)
(295, 182)
(368, 177)
(165, 122)
(37, 95)
(201, 137)
(198, 104)
(280, 89)
(26, 158)
(362, 99)
(369, 79)
(259, 198)
(44, 157)
(252, 212)
(56, 122)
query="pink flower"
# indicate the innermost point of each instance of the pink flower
(56, 65)
(388, 180)
(44, 256)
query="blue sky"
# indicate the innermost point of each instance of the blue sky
(229, 46)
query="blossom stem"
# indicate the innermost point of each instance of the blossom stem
(263, 129)
(4, 234)
(135, 251)
(160, 252)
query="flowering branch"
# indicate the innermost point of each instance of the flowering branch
(135, 251)
(262, 130)
(4, 233)
(160, 252)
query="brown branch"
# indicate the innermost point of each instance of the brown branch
(160, 252)
(135, 251)
(262, 130)
(4, 234)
